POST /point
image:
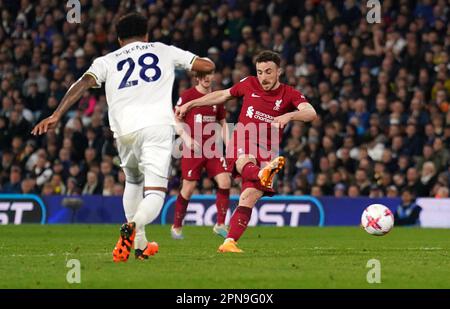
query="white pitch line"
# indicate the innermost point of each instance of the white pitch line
(66, 254)
(53, 254)
(382, 248)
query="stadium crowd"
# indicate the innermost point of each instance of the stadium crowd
(381, 90)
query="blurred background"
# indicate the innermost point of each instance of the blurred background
(381, 90)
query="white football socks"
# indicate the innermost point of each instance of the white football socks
(147, 211)
(133, 194)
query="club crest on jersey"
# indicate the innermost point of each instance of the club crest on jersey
(250, 111)
(198, 118)
(277, 105)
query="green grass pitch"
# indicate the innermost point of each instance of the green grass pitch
(35, 256)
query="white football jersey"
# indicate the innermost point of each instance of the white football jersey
(138, 83)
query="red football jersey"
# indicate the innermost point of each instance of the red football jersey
(260, 107)
(198, 117)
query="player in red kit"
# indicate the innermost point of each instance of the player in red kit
(195, 159)
(268, 106)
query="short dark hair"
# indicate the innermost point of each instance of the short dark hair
(131, 25)
(409, 190)
(201, 75)
(268, 55)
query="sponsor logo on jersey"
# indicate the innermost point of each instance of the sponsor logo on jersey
(209, 118)
(251, 113)
(199, 118)
(263, 117)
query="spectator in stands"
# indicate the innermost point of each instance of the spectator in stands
(392, 191)
(442, 192)
(92, 185)
(58, 184)
(72, 186)
(28, 186)
(408, 211)
(108, 185)
(427, 180)
(339, 190)
(353, 191)
(14, 184)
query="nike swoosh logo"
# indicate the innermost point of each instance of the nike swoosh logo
(255, 95)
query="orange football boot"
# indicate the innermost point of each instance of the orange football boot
(267, 173)
(122, 249)
(229, 245)
(151, 249)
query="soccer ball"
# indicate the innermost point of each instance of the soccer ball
(377, 220)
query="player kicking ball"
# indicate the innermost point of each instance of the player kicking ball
(195, 160)
(138, 81)
(268, 105)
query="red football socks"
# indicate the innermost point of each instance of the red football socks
(222, 202)
(180, 211)
(239, 222)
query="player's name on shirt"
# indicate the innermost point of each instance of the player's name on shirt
(128, 51)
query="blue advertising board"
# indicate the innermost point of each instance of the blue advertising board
(277, 210)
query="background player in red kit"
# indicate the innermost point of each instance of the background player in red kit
(192, 165)
(270, 105)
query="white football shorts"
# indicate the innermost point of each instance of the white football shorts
(146, 155)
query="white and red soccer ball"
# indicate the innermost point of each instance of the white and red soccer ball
(377, 220)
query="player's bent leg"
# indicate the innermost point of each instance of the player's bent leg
(148, 210)
(242, 161)
(134, 178)
(223, 180)
(181, 204)
(132, 196)
(150, 207)
(188, 188)
(154, 152)
(240, 219)
(222, 203)
(133, 193)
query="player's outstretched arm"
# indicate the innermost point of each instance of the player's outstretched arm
(213, 98)
(305, 113)
(71, 97)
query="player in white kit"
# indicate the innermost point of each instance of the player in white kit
(138, 81)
